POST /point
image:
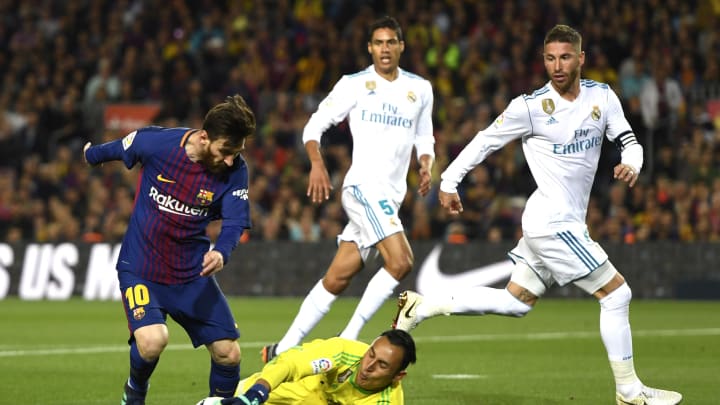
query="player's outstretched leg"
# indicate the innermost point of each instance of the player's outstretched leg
(651, 396)
(413, 308)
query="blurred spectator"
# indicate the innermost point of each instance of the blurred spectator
(456, 234)
(662, 104)
(62, 64)
(599, 68)
(104, 78)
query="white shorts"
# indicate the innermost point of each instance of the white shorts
(372, 215)
(564, 257)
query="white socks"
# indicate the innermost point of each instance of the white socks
(314, 307)
(318, 302)
(617, 337)
(380, 287)
(477, 300)
(626, 381)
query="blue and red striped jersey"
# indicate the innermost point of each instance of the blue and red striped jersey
(176, 199)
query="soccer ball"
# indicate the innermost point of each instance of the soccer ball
(210, 401)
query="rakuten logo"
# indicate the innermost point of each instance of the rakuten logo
(172, 205)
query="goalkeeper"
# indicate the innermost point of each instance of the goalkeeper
(336, 370)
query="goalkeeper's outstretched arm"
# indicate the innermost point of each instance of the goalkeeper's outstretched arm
(255, 395)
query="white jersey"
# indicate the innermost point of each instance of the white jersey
(386, 119)
(561, 141)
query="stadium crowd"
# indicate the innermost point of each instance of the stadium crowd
(62, 62)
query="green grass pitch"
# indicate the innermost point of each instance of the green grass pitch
(74, 352)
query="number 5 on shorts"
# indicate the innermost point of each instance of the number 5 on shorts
(386, 207)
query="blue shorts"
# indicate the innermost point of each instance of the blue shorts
(198, 306)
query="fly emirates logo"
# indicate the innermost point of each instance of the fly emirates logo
(389, 116)
(581, 143)
(172, 205)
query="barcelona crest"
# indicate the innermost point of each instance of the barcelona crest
(204, 197)
(139, 313)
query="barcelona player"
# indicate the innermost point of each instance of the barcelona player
(165, 267)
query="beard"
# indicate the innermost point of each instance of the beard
(570, 80)
(213, 166)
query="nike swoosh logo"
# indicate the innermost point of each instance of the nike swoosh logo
(164, 180)
(407, 312)
(431, 279)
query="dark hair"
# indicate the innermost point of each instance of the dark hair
(403, 339)
(564, 33)
(386, 22)
(231, 120)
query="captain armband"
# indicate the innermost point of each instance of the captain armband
(626, 139)
(630, 150)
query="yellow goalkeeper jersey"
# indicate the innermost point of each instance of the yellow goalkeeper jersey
(321, 372)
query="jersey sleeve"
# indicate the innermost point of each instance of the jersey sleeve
(131, 149)
(332, 110)
(425, 140)
(619, 131)
(617, 124)
(317, 357)
(512, 124)
(235, 213)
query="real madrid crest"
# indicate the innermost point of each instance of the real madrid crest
(370, 85)
(595, 114)
(548, 106)
(411, 97)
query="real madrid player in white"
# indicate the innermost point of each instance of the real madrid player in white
(390, 112)
(561, 126)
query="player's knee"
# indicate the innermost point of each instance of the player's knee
(339, 274)
(400, 266)
(150, 346)
(336, 284)
(226, 352)
(618, 298)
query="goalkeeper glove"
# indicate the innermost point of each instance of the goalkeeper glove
(241, 400)
(255, 395)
